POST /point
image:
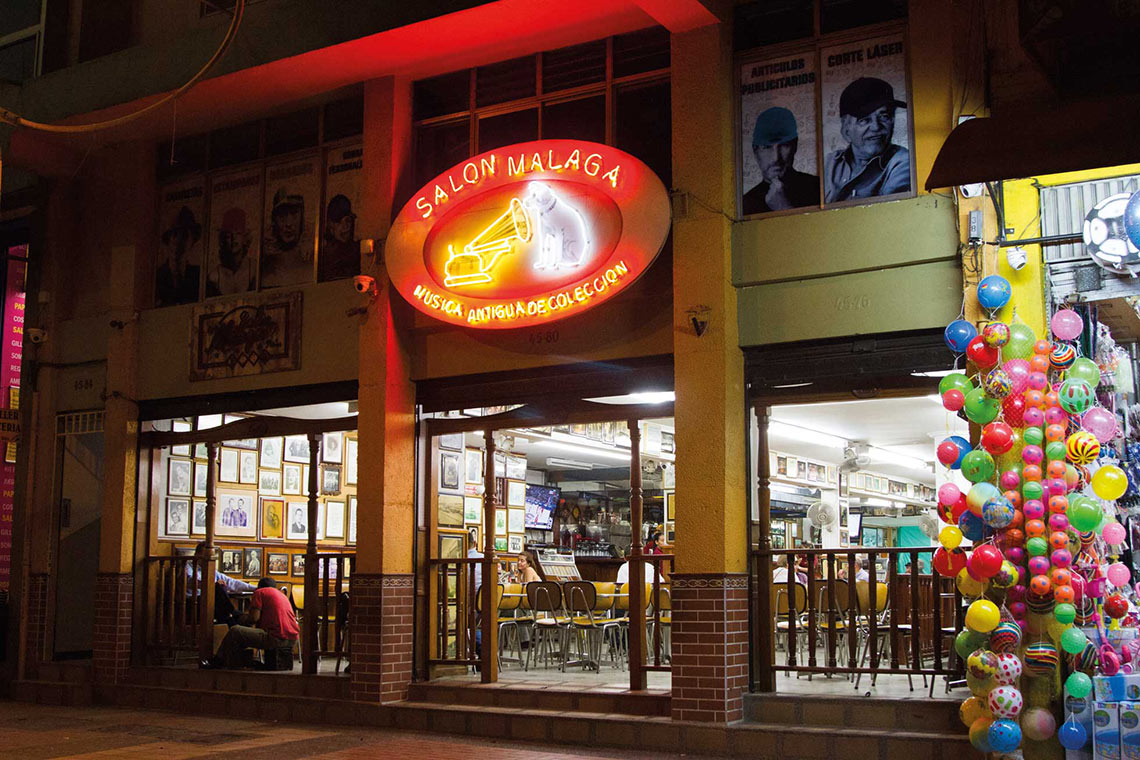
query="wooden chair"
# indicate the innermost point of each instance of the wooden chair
(882, 613)
(784, 609)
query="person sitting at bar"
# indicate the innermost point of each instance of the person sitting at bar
(224, 585)
(272, 626)
(651, 546)
(526, 571)
(861, 573)
(780, 572)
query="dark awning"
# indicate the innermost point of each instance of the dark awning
(1070, 137)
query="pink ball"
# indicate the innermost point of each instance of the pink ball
(1019, 611)
(1078, 584)
(1038, 724)
(1118, 574)
(1032, 454)
(1016, 593)
(1062, 558)
(1066, 324)
(1019, 372)
(1058, 521)
(1034, 509)
(1038, 565)
(1114, 533)
(948, 494)
(1010, 480)
(1016, 555)
(1101, 423)
(1033, 416)
(1055, 415)
(1038, 381)
(1057, 486)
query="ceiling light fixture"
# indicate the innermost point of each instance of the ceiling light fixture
(805, 435)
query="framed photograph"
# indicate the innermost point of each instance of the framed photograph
(332, 447)
(472, 510)
(449, 464)
(271, 453)
(351, 449)
(515, 544)
(801, 469)
(247, 468)
(299, 565)
(671, 506)
(272, 519)
(228, 469)
(450, 510)
(305, 480)
(452, 441)
(320, 521)
(269, 482)
(516, 521)
(501, 522)
(177, 517)
(781, 465)
(793, 467)
(451, 546)
(668, 444)
(180, 426)
(516, 493)
(334, 519)
(352, 519)
(296, 449)
(178, 480)
(516, 467)
(500, 464)
(277, 563)
(207, 421)
(230, 562)
(330, 479)
(199, 526)
(815, 472)
(252, 559)
(249, 444)
(473, 466)
(291, 479)
(297, 520)
(501, 543)
(236, 514)
(200, 477)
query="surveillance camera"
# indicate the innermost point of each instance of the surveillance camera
(36, 335)
(364, 284)
(1016, 258)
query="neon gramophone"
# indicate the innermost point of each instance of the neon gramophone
(473, 264)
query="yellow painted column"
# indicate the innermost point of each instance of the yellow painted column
(709, 585)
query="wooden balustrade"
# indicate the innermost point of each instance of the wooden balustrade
(174, 587)
(660, 618)
(455, 621)
(332, 607)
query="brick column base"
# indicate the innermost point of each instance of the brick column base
(710, 646)
(381, 657)
(114, 597)
(37, 605)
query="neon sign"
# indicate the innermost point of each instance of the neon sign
(528, 234)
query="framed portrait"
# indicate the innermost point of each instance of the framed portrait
(298, 564)
(351, 451)
(516, 493)
(228, 469)
(352, 519)
(578, 428)
(271, 453)
(330, 479)
(332, 447)
(181, 221)
(516, 520)
(297, 521)
(450, 510)
(179, 481)
(451, 441)
(252, 559)
(801, 469)
(290, 214)
(181, 426)
(305, 480)
(291, 479)
(247, 468)
(515, 544)
(334, 519)
(500, 464)
(277, 563)
(339, 252)
(473, 466)
(472, 510)
(668, 443)
(230, 562)
(516, 467)
(501, 543)
(781, 465)
(201, 474)
(501, 522)
(198, 528)
(671, 506)
(236, 514)
(296, 449)
(177, 517)
(451, 546)
(449, 469)
(269, 482)
(272, 519)
(320, 521)
(793, 467)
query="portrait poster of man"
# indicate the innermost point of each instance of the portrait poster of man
(339, 253)
(866, 130)
(181, 220)
(236, 514)
(288, 245)
(235, 218)
(778, 134)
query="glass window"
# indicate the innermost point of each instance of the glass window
(574, 66)
(638, 52)
(294, 131)
(502, 82)
(439, 147)
(508, 128)
(438, 96)
(643, 126)
(583, 119)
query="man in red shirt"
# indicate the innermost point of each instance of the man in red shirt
(274, 626)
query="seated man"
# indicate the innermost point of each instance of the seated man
(273, 626)
(224, 585)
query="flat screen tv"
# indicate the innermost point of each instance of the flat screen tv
(540, 505)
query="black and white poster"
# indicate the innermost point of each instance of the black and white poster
(339, 254)
(292, 194)
(181, 224)
(778, 134)
(235, 219)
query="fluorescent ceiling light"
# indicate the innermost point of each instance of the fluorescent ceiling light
(642, 397)
(792, 385)
(568, 464)
(581, 450)
(804, 435)
(905, 460)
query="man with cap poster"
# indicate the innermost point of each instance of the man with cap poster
(285, 259)
(233, 272)
(871, 164)
(775, 139)
(178, 276)
(340, 252)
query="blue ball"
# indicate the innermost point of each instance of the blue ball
(1073, 735)
(994, 292)
(971, 526)
(964, 448)
(1132, 219)
(1005, 736)
(958, 335)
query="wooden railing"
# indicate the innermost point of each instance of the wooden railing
(660, 618)
(828, 621)
(453, 589)
(332, 607)
(175, 599)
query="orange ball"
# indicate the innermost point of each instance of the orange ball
(1042, 347)
(1014, 536)
(1056, 469)
(1064, 595)
(1018, 519)
(1040, 585)
(1014, 497)
(1035, 528)
(1058, 505)
(1039, 363)
(1054, 432)
(1035, 398)
(1052, 400)
(1031, 472)
(1059, 539)
(1060, 577)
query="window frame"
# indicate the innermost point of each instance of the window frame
(33, 31)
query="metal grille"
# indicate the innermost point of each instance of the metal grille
(1070, 269)
(79, 423)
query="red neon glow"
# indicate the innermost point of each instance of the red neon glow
(528, 234)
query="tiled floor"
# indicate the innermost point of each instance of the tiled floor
(36, 732)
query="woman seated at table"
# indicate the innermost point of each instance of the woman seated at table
(525, 571)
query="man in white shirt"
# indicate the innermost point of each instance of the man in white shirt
(861, 574)
(474, 553)
(623, 573)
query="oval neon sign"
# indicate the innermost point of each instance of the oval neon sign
(528, 234)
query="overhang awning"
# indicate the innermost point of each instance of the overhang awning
(1069, 137)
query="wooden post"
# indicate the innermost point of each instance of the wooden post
(636, 568)
(764, 639)
(205, 587)
(312, 603)
(489, 631)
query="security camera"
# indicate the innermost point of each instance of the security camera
(1016, 258)
(364, 284)
(36, 335)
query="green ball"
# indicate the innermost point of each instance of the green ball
(967, 642)
(1084, 514)
(1078, 685)
(1065, 613)
(1032, 489)
(977, 466)
(1021, 340)
(1055, 450)
(955, 381)
(1037, 546)
(1073, 640)
(980, 408)
(1084, 369)
(1033, 436)
(1076, 396)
